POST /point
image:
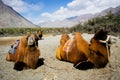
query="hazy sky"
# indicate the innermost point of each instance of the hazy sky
(49, 10)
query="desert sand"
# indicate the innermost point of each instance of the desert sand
(54, 69)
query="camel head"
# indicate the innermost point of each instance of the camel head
(32, 40)
(101, 35)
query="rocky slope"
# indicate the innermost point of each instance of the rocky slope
(11, 18)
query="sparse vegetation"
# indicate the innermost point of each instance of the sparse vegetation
(110, 22)
(23, 31)
(16, 31)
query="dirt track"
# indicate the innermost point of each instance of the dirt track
(54, 69)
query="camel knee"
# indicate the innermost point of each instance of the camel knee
(9, 57)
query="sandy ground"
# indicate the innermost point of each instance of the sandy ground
(54, 69)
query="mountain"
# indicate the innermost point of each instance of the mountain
(57, 23)
(115, 11)
(71, 21)
(10, 18)
(68, 22)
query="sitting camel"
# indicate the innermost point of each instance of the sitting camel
(78, 52)
(84, 55)
(26, 54)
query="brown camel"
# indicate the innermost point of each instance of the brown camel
(83, 55)
(26, 54)
(79, 51)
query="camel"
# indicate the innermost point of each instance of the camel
(79, 51)
(26, 54)
(84, 55)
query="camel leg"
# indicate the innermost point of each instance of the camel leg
(9, 57)
(84, 65)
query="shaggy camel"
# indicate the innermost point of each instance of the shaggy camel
(78, 52)
(84, 55)
(26, 54)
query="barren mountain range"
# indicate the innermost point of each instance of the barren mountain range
(11, 18)
(69, 22)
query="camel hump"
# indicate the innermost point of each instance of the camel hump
(68, 45)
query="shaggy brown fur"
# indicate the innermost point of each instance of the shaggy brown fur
(98, 51)
(27, 52)
(84, 55)
(79, 51)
